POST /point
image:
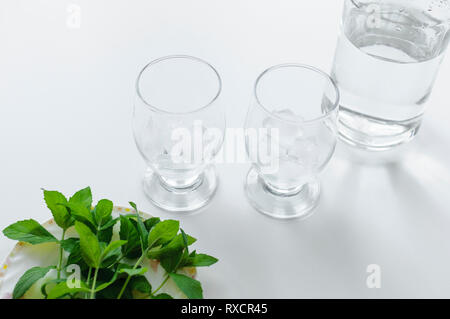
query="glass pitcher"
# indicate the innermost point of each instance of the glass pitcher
(386, 62)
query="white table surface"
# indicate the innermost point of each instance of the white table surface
(65, 122)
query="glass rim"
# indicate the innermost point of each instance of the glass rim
(303, 66)
(171, 57)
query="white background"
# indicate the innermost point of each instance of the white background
(66, 98)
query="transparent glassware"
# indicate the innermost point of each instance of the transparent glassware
(291, 135)
(386, 62)
(178, 125)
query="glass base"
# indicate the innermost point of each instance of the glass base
(186, 199)
(375, 134)
(265, 201)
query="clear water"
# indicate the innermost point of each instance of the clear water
(386, 69)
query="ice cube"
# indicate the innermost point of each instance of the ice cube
(288, 130)
(305, 151)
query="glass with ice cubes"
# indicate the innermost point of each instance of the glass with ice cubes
(291, 135)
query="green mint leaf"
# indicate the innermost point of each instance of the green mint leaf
(103, 211)
(90, 246)
(111, 281)
(185, 243)
(149, 223)
(28, 279)
(82, 214)
(61, 290)
(55, 202)
(128, 232)
(29, 231)
(143, 233)
(162, 296)
(178, 241)
(141, 284)
(83, 197)
(190, 287)
(105, 235)
(69, 244)
(171, 259)
(200, 260)
(121, 266)
(174, 246)
(163, 232)
(171, 264)
(112, 258)
(113, 289)
(109, 223)
(76, 258)
(112, 247)
(51, 282)
(75, 255)
(133, 272)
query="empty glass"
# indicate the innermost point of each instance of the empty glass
(290, 136)
(178, 125)
(387, 58)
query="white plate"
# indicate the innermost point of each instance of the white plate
(24, 256)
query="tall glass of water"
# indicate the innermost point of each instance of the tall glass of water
(387, 58)
(290, 137)
(178, 125)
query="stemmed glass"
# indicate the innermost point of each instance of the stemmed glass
(290, 136)
(178, 125)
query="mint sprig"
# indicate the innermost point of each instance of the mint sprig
(109, 268)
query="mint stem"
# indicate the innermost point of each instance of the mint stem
(94, 283)
(58, 269)
(160, 286)
(89, 275)
(117, 261)
(129, 277)
(88, 280)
